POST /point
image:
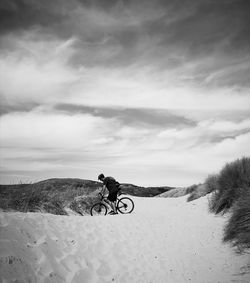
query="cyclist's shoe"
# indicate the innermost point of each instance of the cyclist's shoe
(112, 212)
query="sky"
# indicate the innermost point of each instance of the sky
(154, 93)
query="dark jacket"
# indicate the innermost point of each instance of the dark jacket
(111, 184)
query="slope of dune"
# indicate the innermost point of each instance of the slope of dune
(194, 191)
(174, 193)
(63, 196)
(163, 240)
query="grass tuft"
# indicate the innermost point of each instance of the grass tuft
(237, 230)
(229, 185)
(231, 193)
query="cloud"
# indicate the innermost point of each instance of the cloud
(134, 88)
(122, 33)
(207, 132)
(65, 144)
(35, 71)
(143, 52)
(51, 130)
(18, 15)
(43, 75)
(180, 159)
(131, 116)
(6, 108)
(46, 142)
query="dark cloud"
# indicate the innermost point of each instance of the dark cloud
(161, 34)
(233, 135)
(213, 34)
(56, 157)
(18, 15)
(131, 116)
(211, 23)
(198, 24)
(6, 108)
(106, 5)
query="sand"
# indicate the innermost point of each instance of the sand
(163, 240)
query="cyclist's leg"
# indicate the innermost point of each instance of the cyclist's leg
(113, 207)
(112, 199)
(108, 202)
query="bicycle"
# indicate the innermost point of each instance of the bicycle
(124, 205)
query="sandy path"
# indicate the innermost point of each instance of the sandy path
(164, 240)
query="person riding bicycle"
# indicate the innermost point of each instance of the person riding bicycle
(112, 186)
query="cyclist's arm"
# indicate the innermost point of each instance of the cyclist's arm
(103, 190)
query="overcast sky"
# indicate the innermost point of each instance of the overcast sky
(150, 92)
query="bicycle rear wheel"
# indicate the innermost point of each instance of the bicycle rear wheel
(98, 209)
(125, 205)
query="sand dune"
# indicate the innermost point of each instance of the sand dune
(163, 240)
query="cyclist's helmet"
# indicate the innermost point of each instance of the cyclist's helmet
(100, 177)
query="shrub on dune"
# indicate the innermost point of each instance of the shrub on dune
(237, 231)
(229, 185)
(55, 207)
(212, 182)
(231, 192)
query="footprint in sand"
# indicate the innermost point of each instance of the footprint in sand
(84, 275)
(3, 220)
(72, 263)
(10, 266)
(53, 277)
(104, 269)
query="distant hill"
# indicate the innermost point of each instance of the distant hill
(63, 195)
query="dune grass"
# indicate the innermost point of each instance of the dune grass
(57, 196)
(197, 191)
(231, 194)
(51, 196)
(229, 185)
(237, 230)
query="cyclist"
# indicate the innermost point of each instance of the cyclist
(112, 186)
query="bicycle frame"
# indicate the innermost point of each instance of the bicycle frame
(105, 200)
(123, 205)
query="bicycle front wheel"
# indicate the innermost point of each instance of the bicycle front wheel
(125, 205)
(98, 209)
